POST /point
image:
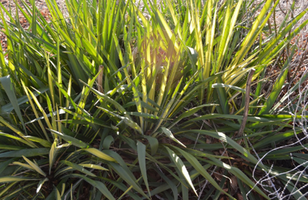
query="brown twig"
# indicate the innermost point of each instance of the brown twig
(281, 10)
(100, 79)
(247, 96)
(274, 18)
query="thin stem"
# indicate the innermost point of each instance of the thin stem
(247, 96)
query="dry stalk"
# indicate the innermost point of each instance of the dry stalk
(247, 96)
(100, 79)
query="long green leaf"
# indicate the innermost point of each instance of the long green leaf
(141, 149)
(242, 176)
(78, 167)
(71, 140)
(53, 154)
(169, 134)
(100, 154)
(181, 167)
(221, 136)
(34, 166)
(97, 184)
(7, 179)
(196, 164)
(25, 152)
(9, 89)
(93, 166)
(276, 89)
(128, 177)
(5, 164)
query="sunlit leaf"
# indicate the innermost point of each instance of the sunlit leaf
(181, 167)
(100, 154)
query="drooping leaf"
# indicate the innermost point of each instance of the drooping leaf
(71, 140)
(141, 149)
(181, 167)
(169, 134)
(78, 167)
(100, 154)
(34, 166)
(25, 152)
(97, 184)
(7, 179)
(10, 91)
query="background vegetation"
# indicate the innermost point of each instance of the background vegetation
(161, 101)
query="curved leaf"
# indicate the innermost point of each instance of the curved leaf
(181, 167)
(100, 154)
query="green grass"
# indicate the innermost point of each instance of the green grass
(109, 104)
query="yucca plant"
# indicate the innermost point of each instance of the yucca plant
(110, 103)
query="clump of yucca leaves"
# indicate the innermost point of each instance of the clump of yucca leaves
(84, 117)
